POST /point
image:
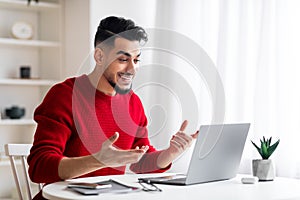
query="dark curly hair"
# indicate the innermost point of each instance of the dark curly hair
(112, 27)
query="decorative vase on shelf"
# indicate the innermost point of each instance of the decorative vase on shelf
(264, 168)
(29, 1)
(15, 112)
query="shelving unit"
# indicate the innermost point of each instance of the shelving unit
(20, 4)
(28, 82)
(17, 122)
(29, 43)
(43, 53)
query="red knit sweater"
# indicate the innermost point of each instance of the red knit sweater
(74, 120)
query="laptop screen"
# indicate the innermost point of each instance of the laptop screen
(217, 153)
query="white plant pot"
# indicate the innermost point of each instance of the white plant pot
(263, 169)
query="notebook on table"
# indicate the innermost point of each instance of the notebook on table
(216, 156)
(114, 187)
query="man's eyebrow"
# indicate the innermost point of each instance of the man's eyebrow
(126, 53)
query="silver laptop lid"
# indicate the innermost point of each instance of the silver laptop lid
(217, 153)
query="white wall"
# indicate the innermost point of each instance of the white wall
(142, 12)
(77, 34)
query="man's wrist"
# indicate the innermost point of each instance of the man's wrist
(165, 158)
(96, 162)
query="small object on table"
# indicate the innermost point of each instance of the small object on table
(249, 180)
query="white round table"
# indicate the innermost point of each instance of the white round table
(233, 189)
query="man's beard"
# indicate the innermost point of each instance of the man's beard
(118, 89)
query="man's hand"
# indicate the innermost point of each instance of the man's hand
(178, 144)
(110, 156)
(181, 141)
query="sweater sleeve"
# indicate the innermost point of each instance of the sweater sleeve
(54, 120)
(148, 163)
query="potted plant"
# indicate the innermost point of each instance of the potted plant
(263, 168)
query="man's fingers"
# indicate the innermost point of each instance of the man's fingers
(182, 140)
(112, 139)
(176, 144)
(183, 126)
(184, 136)
(137, 149)
(134, 155)
(195, 135)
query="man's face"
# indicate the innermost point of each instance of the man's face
(122, 62)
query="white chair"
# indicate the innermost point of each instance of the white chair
(22, 151)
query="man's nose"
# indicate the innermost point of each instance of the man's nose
(132, 67)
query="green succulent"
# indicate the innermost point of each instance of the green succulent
(266, 149)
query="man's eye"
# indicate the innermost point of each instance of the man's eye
(137, 60)
(123, 60)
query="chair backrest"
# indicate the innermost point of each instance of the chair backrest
(22, 151)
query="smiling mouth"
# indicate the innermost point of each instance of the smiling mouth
(125, 77)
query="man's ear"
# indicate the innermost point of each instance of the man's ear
(98, 56)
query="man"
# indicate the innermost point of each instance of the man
(95, 124)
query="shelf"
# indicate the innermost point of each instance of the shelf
(17, 122)
(30, 43)
(22, 4)
(28, 82)
(44, 53)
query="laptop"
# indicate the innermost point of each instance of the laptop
(216, 156)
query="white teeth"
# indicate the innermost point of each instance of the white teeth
(126, 76)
